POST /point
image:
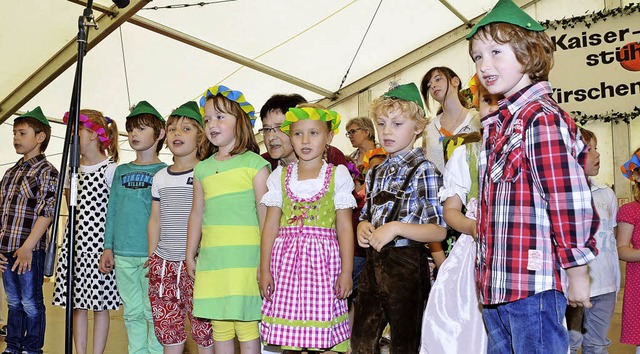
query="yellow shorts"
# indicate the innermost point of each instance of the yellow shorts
(227, 330)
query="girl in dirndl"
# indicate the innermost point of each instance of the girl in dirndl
(307, 241)
(452, 321)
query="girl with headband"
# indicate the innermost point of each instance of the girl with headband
(306, 255)
(92, 289)
(225, 222)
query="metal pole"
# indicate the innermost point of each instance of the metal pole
(71, 153)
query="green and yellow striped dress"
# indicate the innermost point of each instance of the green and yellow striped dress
(225, 286)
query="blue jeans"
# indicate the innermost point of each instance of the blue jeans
(26, 317)
(530, 325)
(588, 328)
(358, 266)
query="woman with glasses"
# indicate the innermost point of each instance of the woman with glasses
(362, 135)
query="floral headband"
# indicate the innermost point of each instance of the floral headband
(102, 134)
(629, 166)
(323, 115)
(235, 96)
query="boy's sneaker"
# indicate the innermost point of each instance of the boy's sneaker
(3, 331)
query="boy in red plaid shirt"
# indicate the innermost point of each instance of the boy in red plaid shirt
(536, 217)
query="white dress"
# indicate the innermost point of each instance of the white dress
(452, 321)
(92, 290)
(435, 151)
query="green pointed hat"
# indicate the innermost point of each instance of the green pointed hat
(407, 92)
(36, 114)
(189, 110)
(508, 12)
(145, 107)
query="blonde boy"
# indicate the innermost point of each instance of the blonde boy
(536, 215)
(401, 214)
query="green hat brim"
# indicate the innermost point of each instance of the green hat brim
(189, 110)
(145, 107)
(507, 11)
(407, 92)
(36, 114)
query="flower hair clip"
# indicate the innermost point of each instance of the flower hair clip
(102, 134)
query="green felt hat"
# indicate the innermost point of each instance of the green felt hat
(508, 12)
(36, 114)
(407, 92)
(189, 110)
(145, 107)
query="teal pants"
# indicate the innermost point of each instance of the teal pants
(134, 291)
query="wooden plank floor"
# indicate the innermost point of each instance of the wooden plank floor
(117, 342)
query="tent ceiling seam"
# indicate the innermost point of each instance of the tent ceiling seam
(219, 51)
(410, 59)
(290, 39)
(344, 78)
(454, 11)
(124, 65)
(62, 60)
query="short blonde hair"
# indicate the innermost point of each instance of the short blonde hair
(411, 110)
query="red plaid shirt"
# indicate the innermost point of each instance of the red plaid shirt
(536, 214)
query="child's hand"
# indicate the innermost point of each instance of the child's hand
(265, 283)
(365, 230)
(106, 261)
(191, 267)
(23, 260)
(3, 262)
(344, 285)
(383, 235)
(578, 293)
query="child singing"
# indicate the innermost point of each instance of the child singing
(225, 222)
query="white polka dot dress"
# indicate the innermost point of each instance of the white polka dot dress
(92, 290)
(630, 333)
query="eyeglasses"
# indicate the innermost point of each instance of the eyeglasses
(351, 132)
(269, 130)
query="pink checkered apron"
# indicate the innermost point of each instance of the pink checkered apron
(305, 264)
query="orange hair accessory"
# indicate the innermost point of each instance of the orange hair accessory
(371, 154)
(474, 87)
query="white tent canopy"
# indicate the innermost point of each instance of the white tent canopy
(261, 47)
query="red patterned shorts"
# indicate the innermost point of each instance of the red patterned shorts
(171, 295)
